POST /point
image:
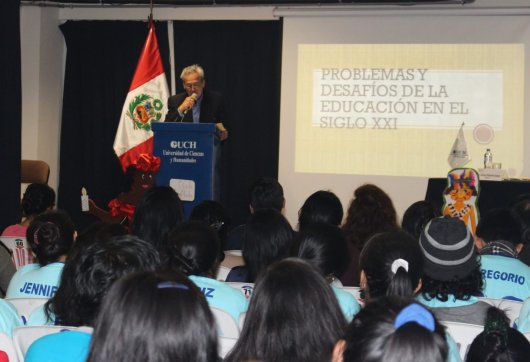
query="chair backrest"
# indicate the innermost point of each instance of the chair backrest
(225, 345)
(226, 325)
(245, 288)
(222, 273)
(25, 306)
(242, 320)
(7, 345)
(463, 334)
(33, 171)
(512, 308)
(24, 336)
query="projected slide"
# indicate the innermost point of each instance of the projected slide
(395, 109)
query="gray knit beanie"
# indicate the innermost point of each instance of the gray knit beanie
(448, 248)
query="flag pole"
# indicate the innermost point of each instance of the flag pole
(150, 12)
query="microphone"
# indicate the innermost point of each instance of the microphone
(194, 96)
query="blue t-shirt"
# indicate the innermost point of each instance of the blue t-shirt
(64, 346)
(348, 304)
(505, 277)
(9, 318)
(34, 281)
(222, 296)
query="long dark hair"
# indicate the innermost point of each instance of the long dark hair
(293, 316)
(157, 213)
(90, 270)
(417, 216)
(268, 238)
(380, 253)
(371, 211)
(154, 317)
(320, 207)
(193, 249)
(50, 236)
(324, 247)
(373, 336)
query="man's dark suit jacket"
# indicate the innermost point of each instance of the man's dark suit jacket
(212, 108)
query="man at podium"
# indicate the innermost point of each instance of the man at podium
(197, 104)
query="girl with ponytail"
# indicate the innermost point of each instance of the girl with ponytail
(498, 342)
(50, 236)
(391, 264)
(194, 249)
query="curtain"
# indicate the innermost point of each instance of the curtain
(10, 103)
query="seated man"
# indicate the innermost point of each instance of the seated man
(265, 193)
(498, 240)
(451, 272)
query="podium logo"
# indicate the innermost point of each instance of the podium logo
(184, 144)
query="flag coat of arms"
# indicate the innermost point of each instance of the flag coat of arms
(459, 156)
(146, 102)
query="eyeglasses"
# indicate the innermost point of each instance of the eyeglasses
(193, 86)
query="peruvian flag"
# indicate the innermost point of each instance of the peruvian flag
(145, 103)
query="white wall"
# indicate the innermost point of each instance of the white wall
(43, 54)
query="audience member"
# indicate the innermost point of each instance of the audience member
(265, 193)
(194, 249)
(268, 238)
(521, 212)
(155, 317)
(452, 279)
(293, 316)
(498, 342)
(498, 239)
(37, 199)
(89, 272)
(324, 247)
(391, 264)
(417, 216)
(393, 329)
(158, 212)
(320, 207)
(370, 212)
(50, 236)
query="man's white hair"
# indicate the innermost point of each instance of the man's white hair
(195, 68)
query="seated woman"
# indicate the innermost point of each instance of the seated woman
(293, 316)
(371, 211)
(498, 342)
(393, 329)
(50, 236)
(194, 249)
(325, 248)
(168, 320)
(391, 264)
(158, 212)
(268, 238)
(320, 207)
(37, 199)
(90, 270)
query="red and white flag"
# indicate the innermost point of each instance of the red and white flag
(145, 103)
